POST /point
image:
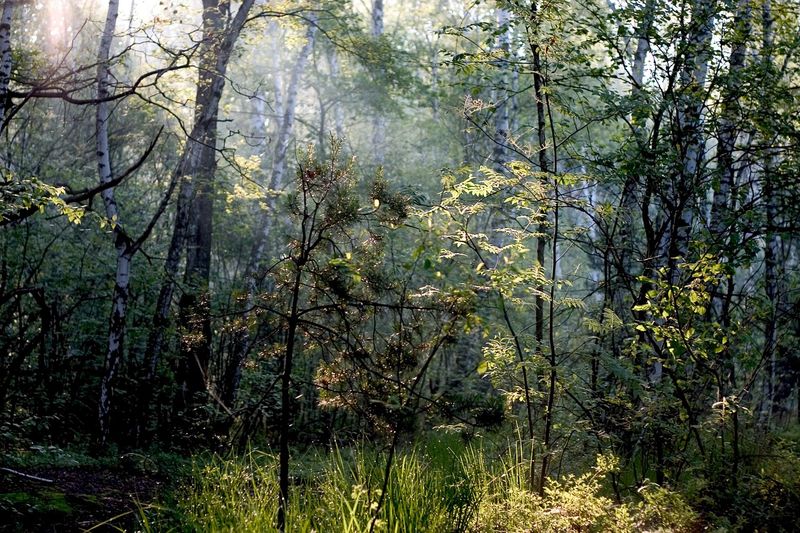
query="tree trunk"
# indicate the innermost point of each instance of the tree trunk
(501, 92)
(5, 57)
(286, 383)
(729, 122)
(721, 225)
(119, 306)
(690, 140)
(539, 83)
(627, 203)
(379, 120)
(771, 240)
(335, 74)
(195, 197)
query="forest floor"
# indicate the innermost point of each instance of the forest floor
(67, 499)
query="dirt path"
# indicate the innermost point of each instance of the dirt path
(71, 499)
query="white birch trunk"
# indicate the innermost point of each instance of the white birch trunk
(690, 116)
(258, 121)
(379, 121)
(628, 195)
(679, 207)
(121, 243)
(501, 93)
(290, 107)
(728, 128)
(5, 56)
(335, 73)
(728, 134)
(623, 229)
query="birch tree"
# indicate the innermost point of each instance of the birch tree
(379, 120)
(121, 240)
(5, 56)
(125, 246)
(690, 141)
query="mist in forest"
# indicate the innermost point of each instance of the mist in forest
(441, 265)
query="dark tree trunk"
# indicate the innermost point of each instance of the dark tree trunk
(193, 219)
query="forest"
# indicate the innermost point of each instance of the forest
(400, 265)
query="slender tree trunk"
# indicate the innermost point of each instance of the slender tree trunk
(501, 92)
(771, 239)
(258, 122)
(623, 224)
(720, 223)
(539, 83)
(679, 196)
(286, 407)
(194, 303)
(243, 342)
(541, 131)
(119, 305)
(729, 122)
(379, 120)
(279, 163)
(690, 140)
(336, 74)
(5, 57)
(276, 62)
(195, 196)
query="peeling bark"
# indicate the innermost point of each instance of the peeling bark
(5, 56)
(119, 301)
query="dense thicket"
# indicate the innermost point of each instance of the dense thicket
(569, 223)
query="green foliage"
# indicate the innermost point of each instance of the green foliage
(662, 508)
(20, 197)
(333, 491)
(436, 485)
(676, 313)
(765, 496)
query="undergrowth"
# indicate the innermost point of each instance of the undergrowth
(441, 487)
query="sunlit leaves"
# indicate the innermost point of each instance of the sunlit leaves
(608, 323)
(18, 196)
(675, 314)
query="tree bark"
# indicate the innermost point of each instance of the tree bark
(628, 196)
(501, 92)
(195, 197)
(336, 74)
(690, 140)
(721, 225)
(119, 301)
(379, 120)
(729, 122)
(771, 239)
(5, 57)
(539, 82)
(286, 383)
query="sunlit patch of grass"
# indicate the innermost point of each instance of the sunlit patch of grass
(437, 486)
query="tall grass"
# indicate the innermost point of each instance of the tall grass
(441, 486)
